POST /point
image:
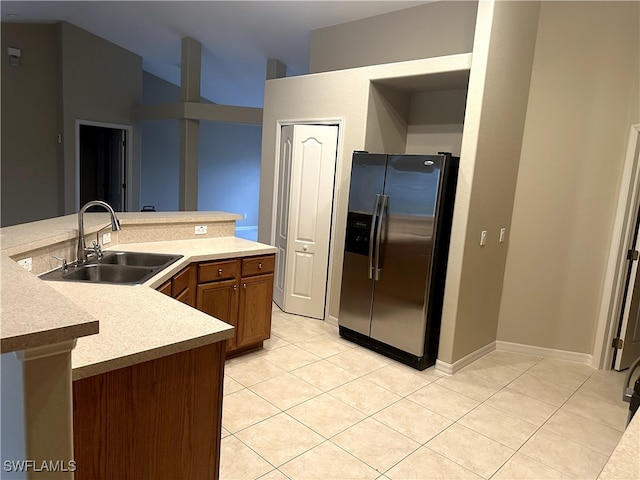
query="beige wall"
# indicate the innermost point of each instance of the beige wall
(431, 30)
(435, 121)
(31, 156)
(66, 74)
(584, 95)
(493, 128)
(100, 82)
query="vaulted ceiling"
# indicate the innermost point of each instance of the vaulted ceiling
(237, 36)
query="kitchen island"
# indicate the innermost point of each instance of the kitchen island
(147, 370)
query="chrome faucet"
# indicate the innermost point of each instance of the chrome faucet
(82, 247)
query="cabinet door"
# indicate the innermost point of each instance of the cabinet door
(182, 285)
(220, 300)
(184, 296)
(165, 288)
(254, 316)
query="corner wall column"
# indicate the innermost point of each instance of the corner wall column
(189, 129)
(276, 69)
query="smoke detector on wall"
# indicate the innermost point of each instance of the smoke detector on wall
(14, 56)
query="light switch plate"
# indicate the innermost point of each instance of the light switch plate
(483, 238)
(106, 238)
(201, 229)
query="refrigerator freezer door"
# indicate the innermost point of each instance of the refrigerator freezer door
(367, 182)
(399, 306)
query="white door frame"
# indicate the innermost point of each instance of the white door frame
(128, 158)
(623, 230)
(339, 121)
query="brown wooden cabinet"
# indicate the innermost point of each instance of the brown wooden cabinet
(156, 420)
(182, 286)
(220, 299)
(239, 292)
(254, 312)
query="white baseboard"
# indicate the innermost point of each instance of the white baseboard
(451, 368)
(331, 320)
(585, 358)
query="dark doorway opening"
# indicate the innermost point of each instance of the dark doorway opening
(103, 165)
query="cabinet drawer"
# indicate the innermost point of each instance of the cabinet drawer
(180, 282)
(258, 265)
(212, 271)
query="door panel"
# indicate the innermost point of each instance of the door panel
(282, 212)
(310, 165)
(367, 181)
(399, 307)
(310, 209)
(302, 285)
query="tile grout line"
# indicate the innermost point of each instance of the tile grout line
(545, 422)
(405, 396)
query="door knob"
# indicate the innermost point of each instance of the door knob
(305, 248)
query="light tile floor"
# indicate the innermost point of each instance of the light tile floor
(314, 406)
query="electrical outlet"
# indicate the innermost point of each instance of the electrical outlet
(106, 238)
(245, 216)
(26, 263)
(201, 229)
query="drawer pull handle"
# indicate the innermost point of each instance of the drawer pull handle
(219, 271)
(244, 285)
(235, 287)
(260, 266)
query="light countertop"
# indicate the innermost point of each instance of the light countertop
(116, 325)
(138, 323)
(34, 314)
(29, 236)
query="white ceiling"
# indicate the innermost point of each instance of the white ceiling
(237, 36)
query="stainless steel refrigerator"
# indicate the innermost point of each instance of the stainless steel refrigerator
(396, 248)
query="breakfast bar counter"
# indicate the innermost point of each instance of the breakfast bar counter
(145, 369)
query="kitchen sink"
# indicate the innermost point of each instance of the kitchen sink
(108, 273)
(137, 259)
(115, 267)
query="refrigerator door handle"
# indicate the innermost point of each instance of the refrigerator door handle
(372, 234)
(383, 208)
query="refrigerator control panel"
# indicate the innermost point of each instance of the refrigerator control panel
(358, 231)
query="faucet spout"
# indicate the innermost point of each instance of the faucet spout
(115, 226)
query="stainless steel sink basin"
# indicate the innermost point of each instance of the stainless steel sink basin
(115, 267)
(108, 274)
(137, 259)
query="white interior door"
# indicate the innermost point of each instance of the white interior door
(313, 164)
(282, 212)
(629, 337)
(627, 342)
